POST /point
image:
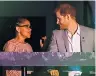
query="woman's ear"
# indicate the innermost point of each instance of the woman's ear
(17, 29)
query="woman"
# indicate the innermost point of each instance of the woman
(18, 44)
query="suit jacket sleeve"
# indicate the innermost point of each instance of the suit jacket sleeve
(94, 36)
(53, 47)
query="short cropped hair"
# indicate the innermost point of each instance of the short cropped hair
(66, 9)
(21, 21)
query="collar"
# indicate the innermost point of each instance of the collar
(77, 32)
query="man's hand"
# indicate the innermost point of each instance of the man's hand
(42, 40)
(54, 72)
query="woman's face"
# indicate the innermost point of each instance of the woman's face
(25, 30)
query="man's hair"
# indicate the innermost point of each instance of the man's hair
(66, 9)
(21, 21)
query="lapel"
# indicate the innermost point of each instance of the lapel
(82, 38)
(65, 41)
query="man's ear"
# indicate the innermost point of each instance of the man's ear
(68, 16)
(17, 29)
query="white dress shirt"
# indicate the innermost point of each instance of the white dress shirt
(74, 41)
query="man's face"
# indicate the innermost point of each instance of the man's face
(62, 21)
(24, 29)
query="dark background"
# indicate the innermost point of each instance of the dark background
(8, 30)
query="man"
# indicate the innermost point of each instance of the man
(71, 37)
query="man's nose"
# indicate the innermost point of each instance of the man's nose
(30, 29)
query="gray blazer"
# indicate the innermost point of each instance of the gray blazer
(59, 41)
